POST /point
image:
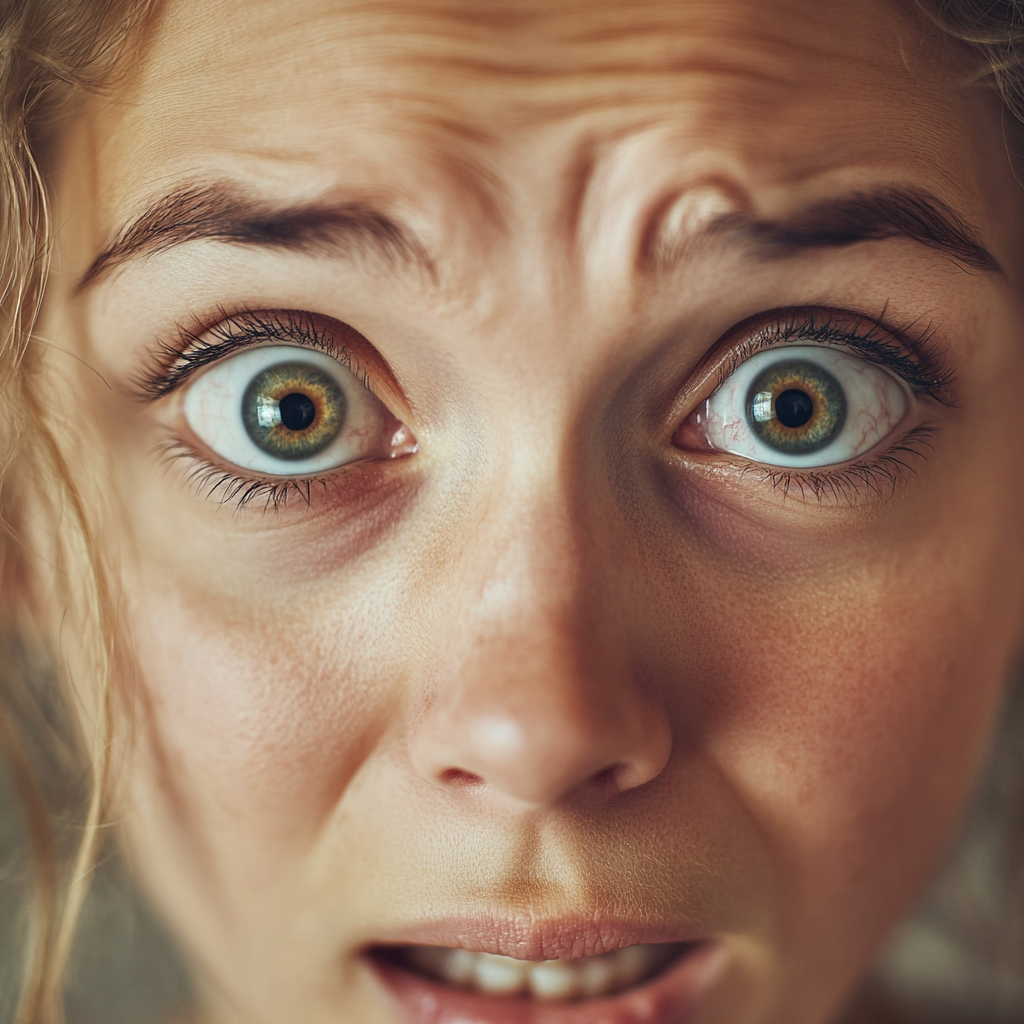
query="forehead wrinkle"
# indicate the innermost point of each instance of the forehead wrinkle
(470, 71)
(577, 52)
(462, 152)
(598, 28)
(450, 86)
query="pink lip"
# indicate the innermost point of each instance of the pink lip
(669, 998)
(567, 938)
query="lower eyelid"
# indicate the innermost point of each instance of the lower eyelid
(874, 477)
(226, 485)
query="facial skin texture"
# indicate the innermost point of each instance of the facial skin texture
(549, 666)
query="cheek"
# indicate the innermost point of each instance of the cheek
(842, 723)
(848, 714)
(258, 723)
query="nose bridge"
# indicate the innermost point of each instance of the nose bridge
(533, 583)
(533, 697)
(528, 572)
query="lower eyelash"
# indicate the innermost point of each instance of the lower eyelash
(242, 493)
(227, 488)
(880, 475)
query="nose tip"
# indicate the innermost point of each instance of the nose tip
(532, 696)
(539, 748)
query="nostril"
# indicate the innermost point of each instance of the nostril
(457, 777)
(608, 780)
(552, 734)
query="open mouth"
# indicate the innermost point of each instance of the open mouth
(585, 978)
(639, 984)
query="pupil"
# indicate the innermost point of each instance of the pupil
(298, 411)
(793, 408)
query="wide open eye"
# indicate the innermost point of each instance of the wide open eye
(804, 406)
(289, 410)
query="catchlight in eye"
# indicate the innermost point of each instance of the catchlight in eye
(293, 410)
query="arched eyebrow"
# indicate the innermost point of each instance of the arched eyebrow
(891, 211)
(223, 212)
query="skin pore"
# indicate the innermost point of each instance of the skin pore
(556, 678)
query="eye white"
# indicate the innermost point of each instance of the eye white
(213, 410)
(876, 403)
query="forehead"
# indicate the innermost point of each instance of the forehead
(487, 98)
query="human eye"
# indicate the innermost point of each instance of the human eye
(268, 402)
(804, 406)
(282, 411)
(809, 396)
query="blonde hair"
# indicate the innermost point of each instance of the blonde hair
(994, 29)
(51, 50)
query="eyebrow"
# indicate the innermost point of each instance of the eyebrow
(887, 212)
(224, 213)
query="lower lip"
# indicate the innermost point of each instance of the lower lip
(669, 998)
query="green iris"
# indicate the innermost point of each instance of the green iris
(293, 410)
(796, 407)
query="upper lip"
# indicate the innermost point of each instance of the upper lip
(526, 938)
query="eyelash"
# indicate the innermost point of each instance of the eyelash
(194, 350)
(909, 351)
(879, 474)
(239, 490)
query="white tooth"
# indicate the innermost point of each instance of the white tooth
(546, 979)
(554, 979)
(633, 963)
(459, 966)
(499, 975)
(597, 976)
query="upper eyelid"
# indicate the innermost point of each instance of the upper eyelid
(928, 376)
(197, 348)
(910, 355)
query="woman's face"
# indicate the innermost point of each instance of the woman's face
(564, 468)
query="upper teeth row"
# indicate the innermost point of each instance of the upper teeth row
(545, 979)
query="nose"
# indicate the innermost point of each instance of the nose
(534, 700)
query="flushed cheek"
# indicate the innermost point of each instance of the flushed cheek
(854, 737)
